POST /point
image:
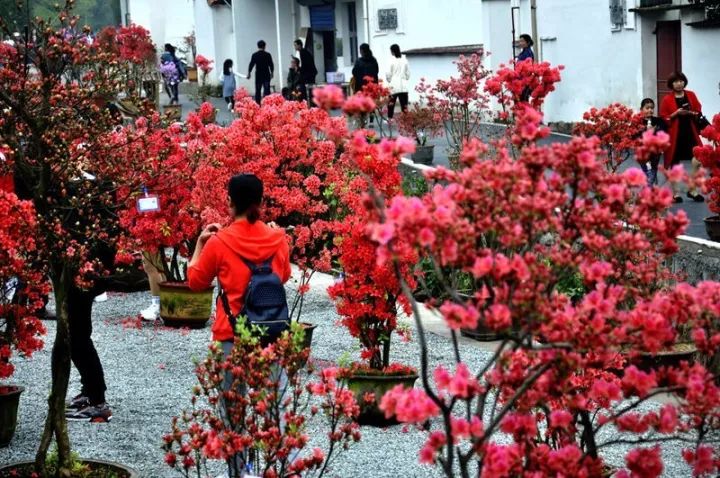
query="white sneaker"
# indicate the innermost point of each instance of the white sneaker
(229, 106)
(102, 297)
(151, 313)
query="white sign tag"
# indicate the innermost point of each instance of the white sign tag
(149, 203)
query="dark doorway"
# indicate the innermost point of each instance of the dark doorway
(352, 31)
(329, 51)
(669, 54)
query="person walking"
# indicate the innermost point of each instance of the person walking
(365, 66)
(680, 109)
(525, 42)
(172, 79)
(397, 77)
(308, 71)
(264, 71)
(229, 84)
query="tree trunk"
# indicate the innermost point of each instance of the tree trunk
(55, 423)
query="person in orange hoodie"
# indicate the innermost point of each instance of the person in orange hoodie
(220, 252)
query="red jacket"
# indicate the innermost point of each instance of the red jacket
(667, 107)
(221, 258)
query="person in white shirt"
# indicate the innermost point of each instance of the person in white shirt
(397, 77)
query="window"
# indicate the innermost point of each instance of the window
(387, 18)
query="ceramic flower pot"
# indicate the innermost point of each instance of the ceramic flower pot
(377, 385)
(25, 469)
(9, 402)
(424, 154)
(192, 74)
(182, 307)
(712, 227)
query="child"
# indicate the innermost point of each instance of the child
(229, 85)
(654, 123)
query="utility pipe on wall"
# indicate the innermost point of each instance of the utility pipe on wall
(367, 22)
(279, 70)
(533, 27)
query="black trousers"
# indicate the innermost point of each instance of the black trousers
(403, 97)
(82, 350)
(264, 85)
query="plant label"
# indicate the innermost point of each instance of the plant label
(148, 203)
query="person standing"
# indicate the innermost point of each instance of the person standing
(397, 77)
(526, 52)
(295, 90)
(365, 66)
(654, 124)
(264, 71)
(680, 109)
(308, 71)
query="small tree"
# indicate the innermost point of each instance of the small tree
(53, 94)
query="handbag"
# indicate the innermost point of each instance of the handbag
(702, 122)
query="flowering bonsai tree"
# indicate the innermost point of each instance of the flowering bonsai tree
(709, 157)
(292, 149)
(419, 123)
(618, 128)
(368, 296)
(458, 103)
(205, 66)
(53, 93)
(519, 225)
(21, 285)
(254, 418)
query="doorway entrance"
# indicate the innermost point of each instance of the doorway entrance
(669, 54)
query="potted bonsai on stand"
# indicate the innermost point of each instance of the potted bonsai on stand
(420, 123)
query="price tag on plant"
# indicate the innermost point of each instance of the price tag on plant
(148, 203)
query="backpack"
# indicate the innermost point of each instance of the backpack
(265, 302)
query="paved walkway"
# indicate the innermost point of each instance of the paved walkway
(696, 212)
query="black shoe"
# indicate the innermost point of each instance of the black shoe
(696, 197)
(78, 403)
(92, 413)
(677, 199)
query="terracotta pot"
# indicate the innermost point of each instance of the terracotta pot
(25, 469)
(9, 402)
(173, 112)
(379, 385)
(424, 154)
(192, 74)
(712, 227)
(182, 307)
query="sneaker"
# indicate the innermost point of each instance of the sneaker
(677, 199)
(92, 413)
(101, 298)
(229, 106)
(696, 197)
(151, 312)
(78, 403)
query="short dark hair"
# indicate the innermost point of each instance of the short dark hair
(365, 50)
(261, 44)
(299, 42)
(646, 101)
(528, 39)
(246, 194)
(677, 75)
(395, 50)
(227, 65)
(169, 48)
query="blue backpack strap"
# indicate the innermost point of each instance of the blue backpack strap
(255, 268)
(226, 306)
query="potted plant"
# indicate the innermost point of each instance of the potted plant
(458, 103)
(205, 66)
(293, 151)
(168, 232)
(709, 156)
(550, 389)
(419, 122)
(262, 430)
(21, 291)
(368, 295)
(63, 163)
(191, 48)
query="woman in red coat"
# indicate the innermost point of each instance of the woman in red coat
(680, 109)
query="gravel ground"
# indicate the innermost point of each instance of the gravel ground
(149, 372)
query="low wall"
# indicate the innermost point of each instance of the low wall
(698, 259)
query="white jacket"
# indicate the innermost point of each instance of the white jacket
(398, 75)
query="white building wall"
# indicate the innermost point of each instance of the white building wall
(214, 36)
(700, 66)
(425, 24)
(168, 21)
(602, 66)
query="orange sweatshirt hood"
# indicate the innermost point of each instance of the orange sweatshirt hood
(255, 242)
